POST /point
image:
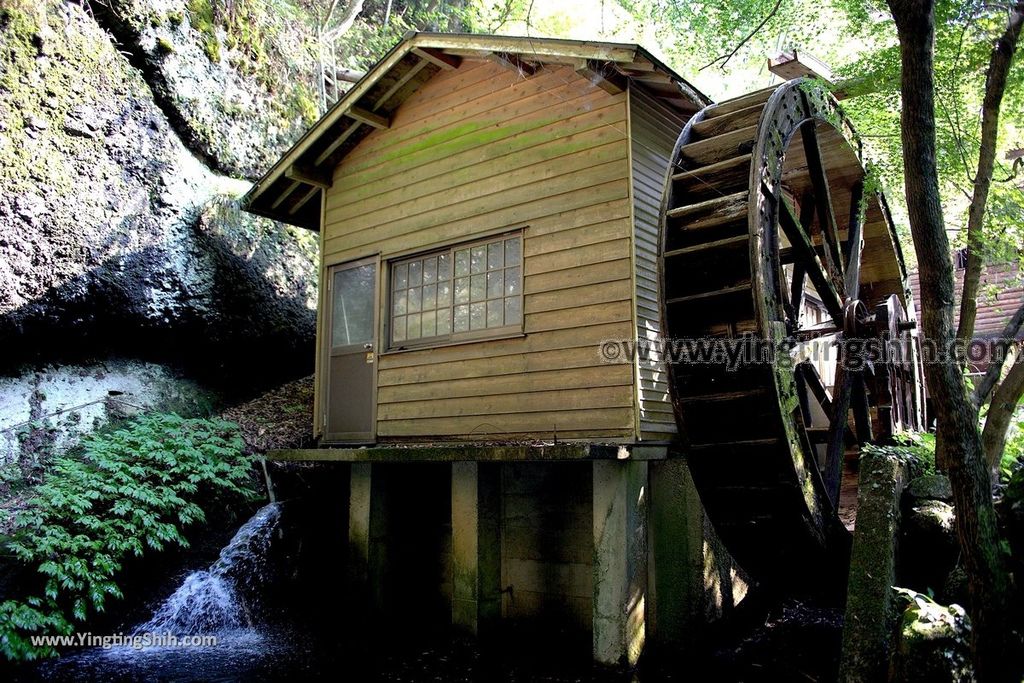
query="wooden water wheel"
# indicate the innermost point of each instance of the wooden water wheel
(774, 241)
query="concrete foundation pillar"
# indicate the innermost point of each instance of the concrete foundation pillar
(366, 556)
(676, 572)
(620, 502)
(360, 483)
(476, 545)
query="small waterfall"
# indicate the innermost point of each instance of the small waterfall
(221, 597)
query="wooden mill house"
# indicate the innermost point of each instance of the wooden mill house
(490, 211)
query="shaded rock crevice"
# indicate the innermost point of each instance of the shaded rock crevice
(235, 112)
(127, 40)
(117, 242)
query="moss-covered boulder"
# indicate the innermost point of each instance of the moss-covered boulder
(931, 487)
(933, 643)
(929, 547)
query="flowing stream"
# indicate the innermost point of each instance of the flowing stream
(220, 602)
(222, 599)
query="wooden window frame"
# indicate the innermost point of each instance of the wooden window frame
(469, 336)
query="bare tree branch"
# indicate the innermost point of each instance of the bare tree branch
(724, 59)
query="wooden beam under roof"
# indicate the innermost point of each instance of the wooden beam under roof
(400, 83)
(309, 175)
(453, 43)
(294, 185)
(604, 76)
(514, 61)
(368, 117)
(336, 143)
(302, 202)
(438, 58)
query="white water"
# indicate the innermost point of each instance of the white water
(223, 597)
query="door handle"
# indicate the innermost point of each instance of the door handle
(368, 346)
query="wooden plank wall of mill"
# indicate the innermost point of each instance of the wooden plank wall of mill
(479, 149)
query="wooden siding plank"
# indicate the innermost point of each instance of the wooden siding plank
(565, 299)
(578, 277)
(569, 358)
(619, 311)
(521, 403)
(548, 380)
(531, 100)
(591, 421)
(581, 255)
(447, 199)
(533, 343)
(523, 208)
(477, 163)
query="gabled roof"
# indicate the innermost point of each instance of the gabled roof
(288, 192)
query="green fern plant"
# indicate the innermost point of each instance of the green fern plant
(122, 493)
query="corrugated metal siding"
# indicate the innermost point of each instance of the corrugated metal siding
(654, 130)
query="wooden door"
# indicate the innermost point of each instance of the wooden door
(351, 344)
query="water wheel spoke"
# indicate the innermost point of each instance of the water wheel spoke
(804, 252)
(836, 444)
(861, 409)
(822, 199)
(854, 247)
(813, 382)
(796, 291)
(802, 392)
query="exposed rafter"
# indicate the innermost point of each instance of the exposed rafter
(309, 176)
(369, 118)
(438, 58)
(513, 61)
(604, 77)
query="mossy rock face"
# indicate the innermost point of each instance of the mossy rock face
(54, 406)
(932, 644)
(113, 236)
(931, 487)
(929, 547)
(236, 80)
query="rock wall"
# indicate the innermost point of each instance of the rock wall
(45, 409)
(235, 79)
(120, 237)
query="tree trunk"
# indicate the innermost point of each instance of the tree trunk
(958, 443)
(1000, 414)
(995, 87)
(1001, 353)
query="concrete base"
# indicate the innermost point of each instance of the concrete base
(620, 560)
(676, 571)
(619, 548)
(476, 546)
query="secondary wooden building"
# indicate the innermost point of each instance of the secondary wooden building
(488, 211)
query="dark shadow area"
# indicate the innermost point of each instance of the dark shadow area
(241, 337)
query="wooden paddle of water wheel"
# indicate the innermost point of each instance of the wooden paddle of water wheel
(775, 241)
